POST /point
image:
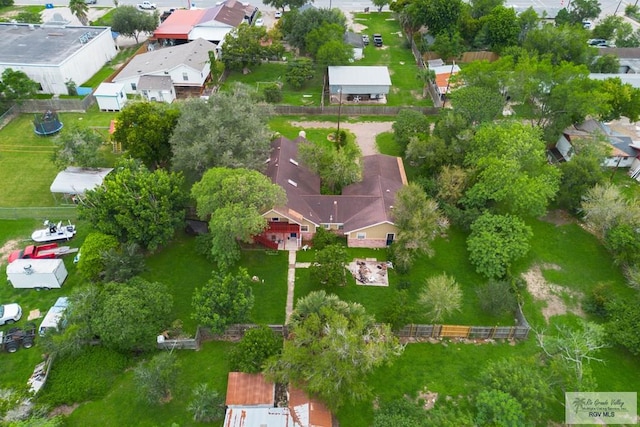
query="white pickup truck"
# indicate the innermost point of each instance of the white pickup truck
(147, 5)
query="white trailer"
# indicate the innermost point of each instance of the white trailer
(36, 273)
(54, 316)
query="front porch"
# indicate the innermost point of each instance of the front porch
(281, 236)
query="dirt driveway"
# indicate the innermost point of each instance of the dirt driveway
(364, 132)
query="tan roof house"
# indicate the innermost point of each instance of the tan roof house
(251, 403)
(363, 212)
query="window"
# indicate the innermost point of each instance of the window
(134, 86)
(340, 226)
(121, 94)
(304, 228)
(185, 77)
(144, 92)
(40, 86)
(326, 226)
(275, 219)
(361, 236)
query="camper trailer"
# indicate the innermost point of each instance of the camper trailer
(53, 317)
(36, 273)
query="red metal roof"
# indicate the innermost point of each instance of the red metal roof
(319, 415)
(179, 24)
(249, 389)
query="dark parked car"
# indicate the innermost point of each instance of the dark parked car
(377, 40)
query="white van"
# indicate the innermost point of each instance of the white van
(54, 316)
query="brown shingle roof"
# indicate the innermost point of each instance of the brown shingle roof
(249, 389)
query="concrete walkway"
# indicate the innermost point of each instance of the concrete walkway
(291, 283)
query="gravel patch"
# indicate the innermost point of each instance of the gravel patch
(365, 132)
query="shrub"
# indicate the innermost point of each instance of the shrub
(156, 378)
(257, 345)
(272, 93)
(323, 238)
(91, 264)
(595, 303)
(206, 405)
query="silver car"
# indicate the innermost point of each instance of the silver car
(10, 313)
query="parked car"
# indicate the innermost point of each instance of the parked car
(377, 40)
(365, 39)
(147, 5)
(595, 42)
(259, 22)
(91, 1)
(10, 313)
(278, 15)
(586, 24)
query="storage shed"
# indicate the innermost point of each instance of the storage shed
(74, 181)
(110, 96)
(359, 83)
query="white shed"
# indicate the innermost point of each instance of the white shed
(359, 83)
(110, 96)
(73, 181)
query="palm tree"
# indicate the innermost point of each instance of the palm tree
(79, 8)
(426, 76)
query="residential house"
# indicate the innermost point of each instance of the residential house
(629, 71)
(363, 212)
(623, 151)
(54, 55)
(211, 24)
(355, 41)
(443, 75)
(187, 66)
(110, 96)
(251, 402)
(157, 88)
(359, 84)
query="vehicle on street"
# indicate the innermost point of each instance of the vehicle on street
(48, 251)
(38, 274)
(365, 39)
(91, 1)
(259, 22)
(147, 5)
(16, 337)
(595, 42)
(10, 313)
(377, 40)
(52, 232)
(278, 15)
(586, 24)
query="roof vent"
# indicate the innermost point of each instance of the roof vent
(27, 269)
(293, 161)
(295, 184)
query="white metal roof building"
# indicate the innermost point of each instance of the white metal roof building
(110, 96)
(356, 80)
(51, 55)
(74, 180)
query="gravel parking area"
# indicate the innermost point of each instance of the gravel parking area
(364, 132)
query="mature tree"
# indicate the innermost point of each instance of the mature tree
(239, 139)
(78, 146)
(16, 86)
(512, 173)
(328, 266)
(604, 207)
(448, 45)
(206, 404)
(574, 347)
(334, 52)
(584, 9)
(501, 28)
(298, 72)
(455, 131)
(79, 8)
(439, 16)
(296, 25)
(477, 104)
(123, 263)
(419, 222)
(556, 96)
(144, 129)
(623, 243)
(497, 408)
(281, 4)
(332, 346)
(497, 297)
(409, 123)
(452, 183)
(235, 200)
(608, 64)
(324, 238)
(254, 349)
(136, 205)
(132, 314)
(321, 35)
(380, 4)
(223, 301)
(156, 378)
(429, 153)
(623, 323)
(523, 380)
(92, 264)
(528, 20)
(440, 297)
(243, 47)
(622, 99)
(336, 166)
(131, 22)
(560, 44)
(583, 172)
(480, 8)
(495, 242)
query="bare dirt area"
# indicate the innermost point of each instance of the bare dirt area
(558, 217)
(365, 132)
(63, 410)
(551, 293)
(7, 248)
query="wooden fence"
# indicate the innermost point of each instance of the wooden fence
(58, 104)
(184, 343)
(351, 110)
(459, 331)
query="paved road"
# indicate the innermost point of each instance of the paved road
(608, 6)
